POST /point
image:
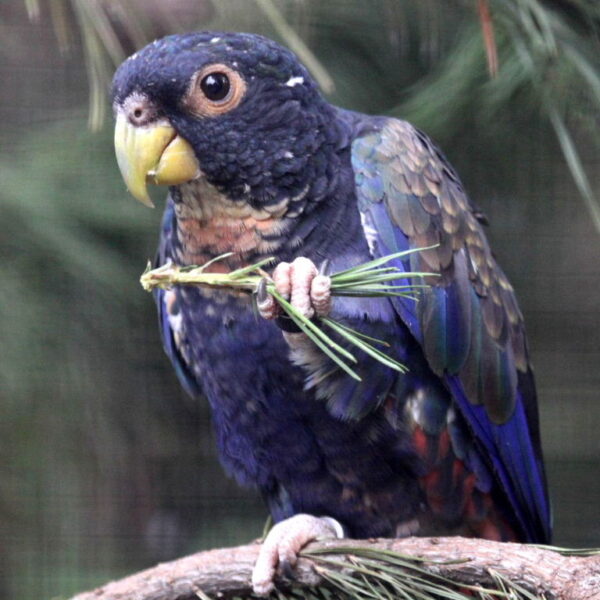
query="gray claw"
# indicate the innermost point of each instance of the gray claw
(261, 291)
(324, 267)
(287, 570)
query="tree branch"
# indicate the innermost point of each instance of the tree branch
(469, 562)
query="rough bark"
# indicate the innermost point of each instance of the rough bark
(226, 572)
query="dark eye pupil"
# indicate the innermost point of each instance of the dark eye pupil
(215, 86)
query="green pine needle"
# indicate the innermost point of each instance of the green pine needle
(366, 280)
(375, 574)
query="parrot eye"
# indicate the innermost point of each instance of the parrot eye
(215, 86)
(214, 90)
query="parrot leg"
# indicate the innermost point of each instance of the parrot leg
(302, 285)
(283, 543)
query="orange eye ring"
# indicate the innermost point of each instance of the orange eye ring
(196, 99)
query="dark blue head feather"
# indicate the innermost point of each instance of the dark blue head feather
(271, 144)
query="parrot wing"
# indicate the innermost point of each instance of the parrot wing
(467, 322)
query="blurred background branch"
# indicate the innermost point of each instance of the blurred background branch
(542, 51)
(105, 466)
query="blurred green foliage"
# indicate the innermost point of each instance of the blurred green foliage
(547, 50)
(104, 464)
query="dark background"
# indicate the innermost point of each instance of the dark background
(105, 465)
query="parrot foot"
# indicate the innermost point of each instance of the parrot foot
(284, 542)
(301, 283)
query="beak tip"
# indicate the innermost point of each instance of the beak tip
(144, 198)
(146, 201)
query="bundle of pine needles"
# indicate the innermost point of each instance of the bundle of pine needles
(376, 574)
(372, 279)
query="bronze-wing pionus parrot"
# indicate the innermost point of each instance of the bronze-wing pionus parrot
(259, 164)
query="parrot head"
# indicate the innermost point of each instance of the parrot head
(237, 110)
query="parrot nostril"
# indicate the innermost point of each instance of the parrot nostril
(139, 109)
(138, 115)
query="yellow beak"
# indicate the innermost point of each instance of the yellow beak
(152, 153)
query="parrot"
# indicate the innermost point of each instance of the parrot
(259, 164)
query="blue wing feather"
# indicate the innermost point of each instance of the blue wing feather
(468, 323)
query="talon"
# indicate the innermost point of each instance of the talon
(282, 545)
(307, 288)
(266, 304)
(287, 569)
(261, 291)
(324, 267)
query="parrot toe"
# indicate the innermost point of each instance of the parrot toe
(307, 288)
(320, 295)
(283, 543)
(302, 272)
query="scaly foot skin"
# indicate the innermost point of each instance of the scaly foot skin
(302, 285)
(284, 542)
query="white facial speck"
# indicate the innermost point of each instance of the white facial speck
(215, 40)
(293, 81)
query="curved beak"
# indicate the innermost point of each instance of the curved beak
(152, 153)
